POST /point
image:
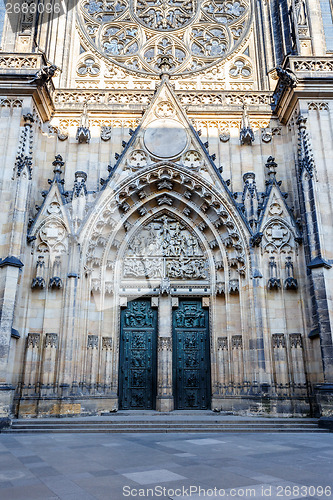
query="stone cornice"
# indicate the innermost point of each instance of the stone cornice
(17, 74)
(314, 81)
(123, 101)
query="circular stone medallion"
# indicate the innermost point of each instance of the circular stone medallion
(165, 138)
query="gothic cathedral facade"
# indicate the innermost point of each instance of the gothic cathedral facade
(166, 207)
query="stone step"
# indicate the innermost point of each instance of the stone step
(171, 419)
(157, 424)
(161, 429)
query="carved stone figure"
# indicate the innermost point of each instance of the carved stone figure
(300, 11)
(83, 132)
(139, 314)
(106, 133)
(189, 316)
(44, 75)
(164, 248)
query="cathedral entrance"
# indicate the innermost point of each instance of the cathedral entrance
(138, 364)
(191, 360)
(162, 258)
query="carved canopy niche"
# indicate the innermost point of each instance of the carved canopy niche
(165, 248)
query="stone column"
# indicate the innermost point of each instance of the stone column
(164, 400)
(69, 337)
(30, 388)
(297, 360)
(223, 364)
(11, 264)
(280, 363)
(9, 273)
(92, 363)
(49, 363)
(237, 362)
(106, 368)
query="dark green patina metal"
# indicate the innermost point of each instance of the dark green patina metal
(138, 365)
(191, 360)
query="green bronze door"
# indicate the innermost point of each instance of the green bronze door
(191, 360)
(137, 371)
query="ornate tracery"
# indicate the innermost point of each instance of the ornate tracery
(137, 33)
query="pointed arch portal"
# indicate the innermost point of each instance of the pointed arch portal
(165, 250)
(167, 242)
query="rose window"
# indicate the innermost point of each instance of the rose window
(139, 34)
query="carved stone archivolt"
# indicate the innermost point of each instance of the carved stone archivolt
(183, 254)
(192, 34)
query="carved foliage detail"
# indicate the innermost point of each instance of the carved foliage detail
(164, 344)
(222, 343)
(51, 340)
(278, 340)
(296, 340)
(107, 343)
(33, 340)
(92, 342)
(236, 342)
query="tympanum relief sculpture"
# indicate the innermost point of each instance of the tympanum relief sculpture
(165, 248)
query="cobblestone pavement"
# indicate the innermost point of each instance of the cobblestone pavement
(167, 466)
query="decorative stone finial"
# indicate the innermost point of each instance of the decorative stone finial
(249, 177)
(271, 165)
(58, 164)
(165, 65)
(28, 119)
